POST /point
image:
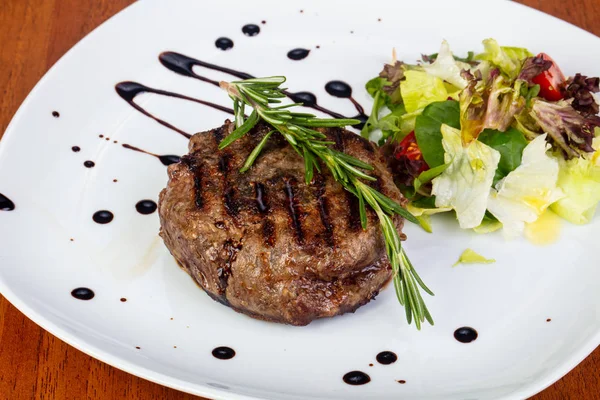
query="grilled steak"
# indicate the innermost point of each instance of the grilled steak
(265, 243)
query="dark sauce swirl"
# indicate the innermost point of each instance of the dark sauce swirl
(6, 204)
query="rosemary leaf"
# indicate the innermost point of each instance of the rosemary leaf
(255, 153)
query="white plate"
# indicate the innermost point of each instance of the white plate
(517, 352)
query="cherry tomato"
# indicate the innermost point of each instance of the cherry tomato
(408, 148)
(550, 81)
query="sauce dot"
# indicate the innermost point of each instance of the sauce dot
(298, 54)
(89, 164)
(465, 334)
(123, 299)
(306, 98)
(223, 353)
(138, 347)
(251, 30)
(55, 114)
(549, 319)
(146, 207)
(100, 136)
(263, 22)
(115, 180)
(401, 381)
(76, 149)
(224, 43)
(83, 293)
(356, 378)
(103, 217)
(387, 357)
(338, 89)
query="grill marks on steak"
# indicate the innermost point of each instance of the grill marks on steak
(323, 203)
(264, 242)
(294, 208)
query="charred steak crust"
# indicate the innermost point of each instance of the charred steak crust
(265, 243)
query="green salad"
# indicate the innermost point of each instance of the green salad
(497, 137)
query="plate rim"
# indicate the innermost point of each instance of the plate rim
(204, 390)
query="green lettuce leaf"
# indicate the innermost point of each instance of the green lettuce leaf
(469, 256)
(488, 225)
(510, 145)
(427, 129)
(390, 124)
(447, 68)
(420, 89)
(579, 179)
(465, 185)
(508, 59)
(527, 191)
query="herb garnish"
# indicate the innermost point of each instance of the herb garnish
(297, 128)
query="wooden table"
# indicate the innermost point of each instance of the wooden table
(34, 34)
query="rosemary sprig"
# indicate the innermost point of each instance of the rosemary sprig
(261, 94)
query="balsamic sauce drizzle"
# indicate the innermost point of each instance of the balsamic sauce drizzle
(183, 65)
(6, 204)
(129, 90)
(166, 159)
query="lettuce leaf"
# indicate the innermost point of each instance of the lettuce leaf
(491, 104)
(528, 191)
(465, 185)
(447, 68)
(488, 225)
(579, 179)
(570, 130)
(503, 104)
(508, 59)
(470, 256)
(420, 89)
(427, 129)
(510, 145)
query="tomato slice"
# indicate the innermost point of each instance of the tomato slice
(550, 81)
(409, 149)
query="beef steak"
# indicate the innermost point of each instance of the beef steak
(265, 243)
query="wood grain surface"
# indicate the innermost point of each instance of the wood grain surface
(34, 34)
